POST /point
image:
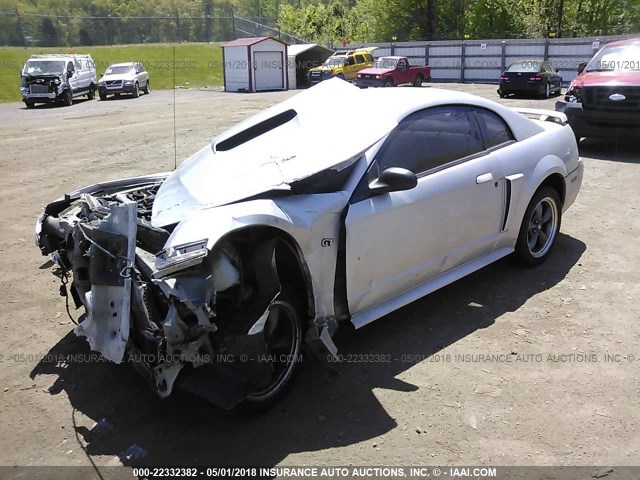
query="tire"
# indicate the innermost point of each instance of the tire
(540, 227)
(418, 80)
(340, 76)
(288, 334)
(501, 93)
(147, 88)
(29, 103)
(136, 91)
(103, 96)
(67, 98)
(388, 82)
(547, 91)
(92, 93)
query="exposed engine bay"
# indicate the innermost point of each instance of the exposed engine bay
(184, 309)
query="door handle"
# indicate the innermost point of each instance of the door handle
(484, 178)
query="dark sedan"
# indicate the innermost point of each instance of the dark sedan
(532, 77)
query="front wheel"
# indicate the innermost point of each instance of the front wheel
(283, 334)
(147, 88)
(539, 228)
(388, 82)
(418, 81)
(67, 98)
(136, 91)
(547, 91)
(29, 103)
(92, 93)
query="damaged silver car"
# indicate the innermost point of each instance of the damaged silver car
(211, 278)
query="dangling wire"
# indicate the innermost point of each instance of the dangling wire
(64, 279)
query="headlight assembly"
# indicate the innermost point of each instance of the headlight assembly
(573, 96)
(180, 257)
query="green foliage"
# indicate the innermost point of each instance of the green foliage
(358, 21)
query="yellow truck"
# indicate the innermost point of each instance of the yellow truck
(344, 65)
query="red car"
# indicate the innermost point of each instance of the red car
(392, 71)
(604, 99)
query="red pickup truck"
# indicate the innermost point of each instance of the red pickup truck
(392, 71)
(604, 99)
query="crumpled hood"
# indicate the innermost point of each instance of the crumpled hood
(314, 140)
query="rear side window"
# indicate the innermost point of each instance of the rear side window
(431, 138)
(359, 59)
(496, 130)
(368, 57)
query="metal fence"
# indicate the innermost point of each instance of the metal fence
(482, 61)
(39, 30)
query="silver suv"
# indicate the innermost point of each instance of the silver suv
(129, 77)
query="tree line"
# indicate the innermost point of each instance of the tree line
(95, 22)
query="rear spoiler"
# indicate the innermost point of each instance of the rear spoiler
(543, 115)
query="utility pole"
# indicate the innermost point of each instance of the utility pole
(178, 26)
(24, 39)
(560, 15)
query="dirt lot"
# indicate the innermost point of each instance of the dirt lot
(551, 398)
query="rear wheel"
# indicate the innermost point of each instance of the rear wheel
(539, 228)
(547, 91)
(283, 332)
(418, 80)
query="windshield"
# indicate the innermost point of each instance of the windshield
(333, 62)
(616, 57)
(525, 66)
(385, 63)
(44, 67)
(118, 70)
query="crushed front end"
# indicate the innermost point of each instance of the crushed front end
(184, 316)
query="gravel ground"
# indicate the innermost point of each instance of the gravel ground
(550, 397)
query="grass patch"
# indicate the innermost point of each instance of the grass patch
(196, 65)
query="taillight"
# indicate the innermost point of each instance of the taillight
(537, 77)
(504, 76)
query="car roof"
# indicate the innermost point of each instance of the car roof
(380, 111)
(628, 41)
(123, 64)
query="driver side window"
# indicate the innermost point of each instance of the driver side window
(431, 138)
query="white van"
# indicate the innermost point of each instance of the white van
(58, 78)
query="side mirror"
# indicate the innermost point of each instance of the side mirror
(393, 179)
(581, 67)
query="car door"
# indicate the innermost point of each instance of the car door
(141, 75)
(552, 76)
(73, 77)
(399, 240)
(402, 71)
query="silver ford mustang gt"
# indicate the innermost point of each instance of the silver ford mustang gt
(213, 277)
